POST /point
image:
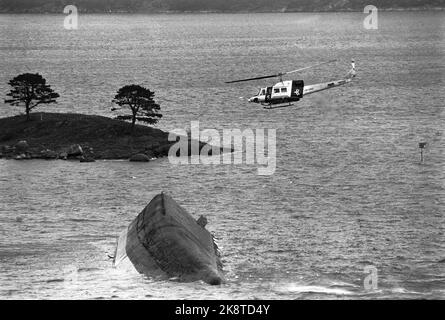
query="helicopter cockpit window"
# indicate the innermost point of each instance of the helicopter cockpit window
(283, 89)
(276, 90)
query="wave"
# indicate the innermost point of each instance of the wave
(296, 288)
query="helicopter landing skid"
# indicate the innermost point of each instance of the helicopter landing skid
(271, 106)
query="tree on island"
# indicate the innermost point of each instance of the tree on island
(31, 90)
(141, 103)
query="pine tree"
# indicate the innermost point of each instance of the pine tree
(30, 90)
(140, 102)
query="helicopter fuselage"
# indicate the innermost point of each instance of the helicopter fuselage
(282, 92)
(293, 90)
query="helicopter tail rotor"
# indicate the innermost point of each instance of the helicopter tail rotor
(351, 74)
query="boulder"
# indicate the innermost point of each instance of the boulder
(149, 152)
(7, 149)
(139, 157)
(21, 146)
(63, 155)
(74, 150)
(21, 156)
(87, 159)
(48, 154)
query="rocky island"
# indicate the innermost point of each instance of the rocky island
(79, 136)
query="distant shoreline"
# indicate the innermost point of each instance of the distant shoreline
(172, 12)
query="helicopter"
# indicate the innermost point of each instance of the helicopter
(283, 93)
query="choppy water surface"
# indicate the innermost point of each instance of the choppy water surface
(348, 191)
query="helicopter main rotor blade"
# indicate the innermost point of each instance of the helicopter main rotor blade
(256, 78)
(315, 65)
(282, 73)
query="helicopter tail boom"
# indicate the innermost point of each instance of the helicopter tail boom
(332, 84)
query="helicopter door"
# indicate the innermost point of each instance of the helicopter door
(262, 95)
(268, 93)
(297, 88)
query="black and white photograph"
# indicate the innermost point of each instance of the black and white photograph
(245, 151)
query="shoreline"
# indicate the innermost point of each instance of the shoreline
(204, 12)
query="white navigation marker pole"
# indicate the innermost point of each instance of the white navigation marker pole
(421, 146)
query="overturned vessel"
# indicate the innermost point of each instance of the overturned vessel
(164, 239)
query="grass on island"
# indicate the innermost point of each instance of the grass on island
(109, 138)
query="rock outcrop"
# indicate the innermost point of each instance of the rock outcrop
(48, 154)
(74, 150)
(21, 146)
(139, 157)
(87, 159)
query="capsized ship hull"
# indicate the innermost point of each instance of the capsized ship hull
(164, 239)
